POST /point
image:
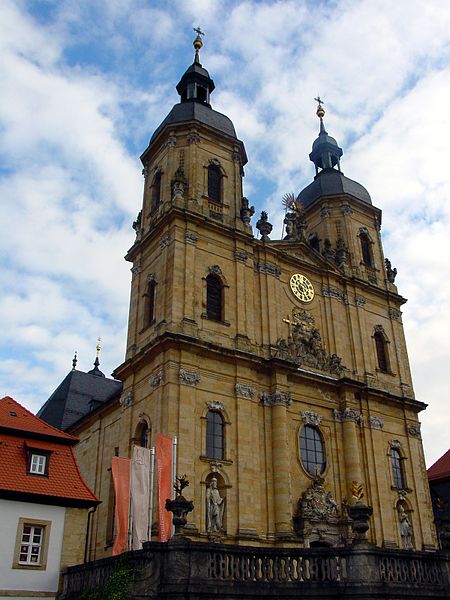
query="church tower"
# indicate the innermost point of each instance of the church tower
(279, 365)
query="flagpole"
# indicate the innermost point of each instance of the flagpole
(150, 505)
(174, 470)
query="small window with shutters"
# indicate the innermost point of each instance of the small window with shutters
(214, 183)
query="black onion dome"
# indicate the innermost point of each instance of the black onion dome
(331, 182)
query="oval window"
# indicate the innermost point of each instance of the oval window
(312, 451)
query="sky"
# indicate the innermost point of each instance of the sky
(86, 82)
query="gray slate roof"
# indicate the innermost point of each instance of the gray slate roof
(76, 396)
(188, 111)
(331, 182)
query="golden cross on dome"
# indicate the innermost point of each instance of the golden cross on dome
(320, 101)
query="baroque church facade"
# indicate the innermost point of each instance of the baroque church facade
(280, 365)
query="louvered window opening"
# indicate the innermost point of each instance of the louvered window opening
(380, 345)
(214, 184)
(213, 298)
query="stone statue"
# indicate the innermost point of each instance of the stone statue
(391, 273)
(264, 227)
(247, 211)
(214, 508)
(179, 184)
(405, 529)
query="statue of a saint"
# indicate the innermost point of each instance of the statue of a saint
(214, 508)
(405, 529)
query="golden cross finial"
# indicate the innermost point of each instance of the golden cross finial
(198, 31)
(320, 110)
(98, 347)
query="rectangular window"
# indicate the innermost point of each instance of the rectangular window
(38, 464)
(32, 541)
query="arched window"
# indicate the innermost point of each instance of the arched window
(156, 191)
(149, 303)
(214, 435)
(312, 450)
(214, 298)
(398, 473)
(366, 250)
(214, 183)
(142, 435)
(381, 348)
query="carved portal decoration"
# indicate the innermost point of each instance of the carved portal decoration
(376, 422)
(244, 391)
(188, 377)
(318, 517)
(215, 405)
(304, 345)
(348, 414)
(311, 418)
(276, 398)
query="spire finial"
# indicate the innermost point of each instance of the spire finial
(96, 370)
(98, 347)
(320, 112)
(74, 361)
(197, 42)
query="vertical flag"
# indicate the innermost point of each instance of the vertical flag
(140, 491)
(164, 468)
(121, 479)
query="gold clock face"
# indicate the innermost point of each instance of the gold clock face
(301, 287)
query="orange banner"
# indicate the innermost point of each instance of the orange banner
(121, 479)
(164, 467)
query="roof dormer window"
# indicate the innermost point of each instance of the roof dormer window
(38, 462)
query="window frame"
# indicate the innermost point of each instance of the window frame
(149, 309)
(212, 450)
(41, 565)
(215, 180)
(366, 249)
(37, 452)
(156, 191)
(218, 289)
(303, 448)
(397, 469)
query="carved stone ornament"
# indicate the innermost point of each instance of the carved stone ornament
(165, 240)
(126, 399)
(137, 226)
(311, 418)
(244, 391)
(324, 212)
(376, 422)
(395, 444)
(360, 301)
(215, 405)
(236, 157)
(171, 141)
(395, 314)
(137, 268)
(264, 227)
(269, 268)
(276, 399)
(391, 273)
(215, 270)
(346, 210)
(348, 414)
(413, 430)
(241, 255)
(378, 329)
(247, 211)
(156, 379)
(193, 138)
(179, 184)
(304, 345)
(151, 278)
(191, 237)
(188, 377)
(332, 292)
(317, 504)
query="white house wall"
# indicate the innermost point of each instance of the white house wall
(32, 580)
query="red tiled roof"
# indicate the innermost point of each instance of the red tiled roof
(441, 467)
(14, 416)
(63, 484)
